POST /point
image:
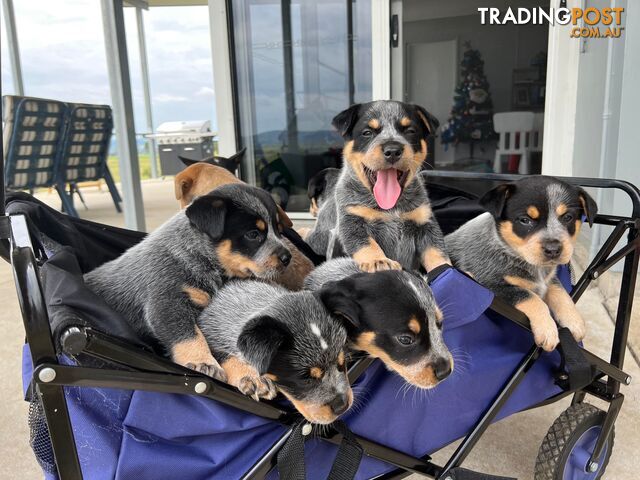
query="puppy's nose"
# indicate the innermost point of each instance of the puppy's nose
(340, 404)
(442, 368)
(552, 249)
(285, 257)
(392, 151)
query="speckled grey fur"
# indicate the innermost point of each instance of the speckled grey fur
(319, 238)
(240, 302)
(145, 284)
(329, 271)
(476, 247)
(340, 268)
(400, 240)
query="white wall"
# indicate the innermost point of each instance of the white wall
(628, 161)
(597, 104)
(596, 132)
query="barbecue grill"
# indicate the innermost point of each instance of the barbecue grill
(189, 139)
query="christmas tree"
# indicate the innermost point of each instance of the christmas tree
(472, 112)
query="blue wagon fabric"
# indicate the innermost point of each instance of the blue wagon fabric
(123, 434)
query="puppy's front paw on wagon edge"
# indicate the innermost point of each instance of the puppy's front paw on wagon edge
(546, 335)
(378, 265)
(257, 387)
(209, 369)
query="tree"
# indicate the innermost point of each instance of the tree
(471, 117)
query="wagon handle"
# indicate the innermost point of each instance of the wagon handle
(630, 189)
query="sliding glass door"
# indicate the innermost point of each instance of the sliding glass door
(297, 64)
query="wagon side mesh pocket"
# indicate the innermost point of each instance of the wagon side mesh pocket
(39, 435)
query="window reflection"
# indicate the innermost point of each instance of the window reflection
(298, 63)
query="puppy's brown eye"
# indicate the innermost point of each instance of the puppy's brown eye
(410, 131)
(367, 133)
(567, 218)
(526, 221)
(252, 235)
(405, 340)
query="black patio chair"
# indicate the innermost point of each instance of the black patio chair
(32, 134)
(84, 152)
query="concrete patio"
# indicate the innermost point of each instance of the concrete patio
(508, 448)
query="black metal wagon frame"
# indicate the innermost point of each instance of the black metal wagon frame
(139, 370)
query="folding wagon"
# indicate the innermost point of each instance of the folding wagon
(106, 405)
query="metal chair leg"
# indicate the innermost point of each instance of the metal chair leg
(67, 203)
(73, 188)
(115, 195)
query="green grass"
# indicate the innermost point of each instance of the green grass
(144, 159)
(145, 166)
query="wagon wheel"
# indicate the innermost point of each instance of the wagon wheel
(565, 450)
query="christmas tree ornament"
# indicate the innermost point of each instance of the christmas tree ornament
(471, 118)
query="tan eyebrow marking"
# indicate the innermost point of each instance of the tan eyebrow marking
(533, 212)
(414, 325)
(561, 209)
(405, 121)
(261, 225)
(374, 123)
(316, 372)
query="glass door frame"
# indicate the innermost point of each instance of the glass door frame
(226, 51)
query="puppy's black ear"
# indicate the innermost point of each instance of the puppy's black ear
(316, 184)
(207, 214)
(429, 120)
(260, 340)
(188, 161)
(589, 205)
(495, 200)
(338, 298)
(345, 120)
(237, 157)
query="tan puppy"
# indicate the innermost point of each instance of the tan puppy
(200, 178)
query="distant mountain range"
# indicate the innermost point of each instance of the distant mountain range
(141, 143)
(310, 140)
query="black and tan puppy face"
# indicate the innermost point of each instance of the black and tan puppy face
(308, 365)
(540, 217)
(385, 145)
(242, 222)
(392, 315)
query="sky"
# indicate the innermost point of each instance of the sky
(63, 57)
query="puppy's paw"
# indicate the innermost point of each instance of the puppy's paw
(213, 370)
(257, 387)
(545, 334)
(379, 264)
(577, 328)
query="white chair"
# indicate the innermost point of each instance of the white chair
(514, 129)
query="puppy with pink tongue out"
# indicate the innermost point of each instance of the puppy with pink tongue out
(384, 219)
(387, 187)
